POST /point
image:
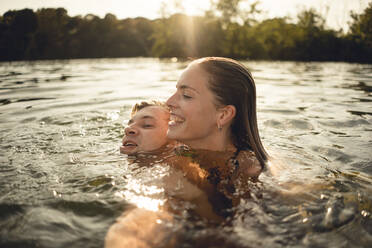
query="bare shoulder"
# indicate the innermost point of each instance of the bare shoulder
(140, 228)
(248, 164)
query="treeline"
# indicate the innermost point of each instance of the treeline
(53, 34)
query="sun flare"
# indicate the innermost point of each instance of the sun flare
(191, 7)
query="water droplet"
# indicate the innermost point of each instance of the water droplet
(329, 210)
(323, 196)
(365, 213)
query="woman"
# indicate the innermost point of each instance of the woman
(213, 112)
(214, 109)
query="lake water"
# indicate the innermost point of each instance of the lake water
(63, 181)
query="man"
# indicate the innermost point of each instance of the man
(146, 133)
(147, 129)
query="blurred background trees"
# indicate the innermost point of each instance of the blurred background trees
(229, 29)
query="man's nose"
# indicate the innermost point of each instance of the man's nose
(130, 131)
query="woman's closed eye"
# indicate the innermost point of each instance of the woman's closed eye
(186, 96)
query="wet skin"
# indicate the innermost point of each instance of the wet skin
(146, 131)
(217, 176)
(194, 113)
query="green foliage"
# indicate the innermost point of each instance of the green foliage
(226, 30)
(174, 37)
(52, 34)
(361, 27)
(16, 30)
(359, 40)
(228, 8)
(310, 20)
(234, 11)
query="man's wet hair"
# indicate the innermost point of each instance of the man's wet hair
(138, 106)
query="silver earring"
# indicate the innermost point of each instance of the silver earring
(219, 127)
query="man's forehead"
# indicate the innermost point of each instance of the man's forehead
(150, 112)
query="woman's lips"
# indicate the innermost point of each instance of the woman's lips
(175, 120)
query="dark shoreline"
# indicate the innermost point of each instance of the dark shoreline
(50, 34)
(181, 59)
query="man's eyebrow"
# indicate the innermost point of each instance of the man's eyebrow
(147, 117)
(142, 117)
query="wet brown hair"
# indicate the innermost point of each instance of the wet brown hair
(233, 84)
(141, 105)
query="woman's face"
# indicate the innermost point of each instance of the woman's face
(193, 113)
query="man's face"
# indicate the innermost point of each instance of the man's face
(146, 131)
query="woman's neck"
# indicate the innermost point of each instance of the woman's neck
(212, 145)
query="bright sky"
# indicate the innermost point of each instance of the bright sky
(337, 11)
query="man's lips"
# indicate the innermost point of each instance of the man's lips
(128, 147)
(129, 143)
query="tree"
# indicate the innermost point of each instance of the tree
(17, 28)
(313, 41)
(52, 34)
(239, 11)
(310, 20)
(360, 35)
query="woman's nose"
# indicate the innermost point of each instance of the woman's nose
(130, 131)
(171, 102)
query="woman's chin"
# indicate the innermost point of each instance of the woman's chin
(174, 132)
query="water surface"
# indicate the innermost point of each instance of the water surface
(63, 181)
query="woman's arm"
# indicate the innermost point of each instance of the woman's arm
(141, 228)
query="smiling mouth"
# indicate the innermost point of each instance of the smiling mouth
(175, 119)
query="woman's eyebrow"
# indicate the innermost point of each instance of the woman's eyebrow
(183, 87)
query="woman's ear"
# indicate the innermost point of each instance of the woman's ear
(226, 114)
